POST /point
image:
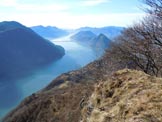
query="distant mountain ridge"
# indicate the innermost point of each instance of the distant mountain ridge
(6, 26)
(83, 36)
(109, 31)
(49, 32)
(22, 49)
(98, 43)
(101, 39)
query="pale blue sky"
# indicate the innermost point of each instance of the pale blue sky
(72, 13)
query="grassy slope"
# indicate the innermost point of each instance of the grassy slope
(128, 96)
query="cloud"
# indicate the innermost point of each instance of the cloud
(32, 7)
(62, 15)
(8, 3)
(45, 8)
(66, 20)
(94, 2)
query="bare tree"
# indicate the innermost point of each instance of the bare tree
(140, 46)
(154, 7)
(136, 48)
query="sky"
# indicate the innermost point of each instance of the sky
(72, 13)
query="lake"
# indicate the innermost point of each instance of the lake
(15, 90)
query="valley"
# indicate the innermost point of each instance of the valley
(76, 56)
(40, 54)
(81, 61)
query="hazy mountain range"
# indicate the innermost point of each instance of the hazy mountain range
(109, 31)
(22, 49)
(83, 36)
(99, 43)
(52, 32)
(97, 38)
(49, 32)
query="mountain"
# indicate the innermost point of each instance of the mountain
(49, 32)
(109, 31)
(100, 43)
(22, 49)
(85, 96)
(7, 26)
(83, 36)
(95, 93)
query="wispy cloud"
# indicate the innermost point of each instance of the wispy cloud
(44, 8)
(33, 7)
(94, 2)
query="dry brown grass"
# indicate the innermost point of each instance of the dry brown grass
(61, 105)
(128, 96)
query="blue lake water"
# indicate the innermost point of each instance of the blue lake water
(15, 90)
